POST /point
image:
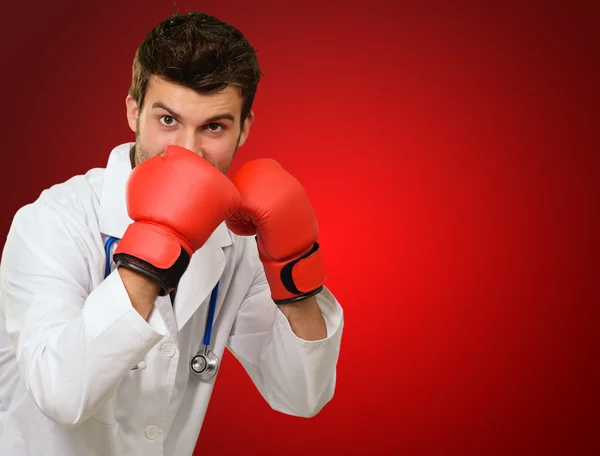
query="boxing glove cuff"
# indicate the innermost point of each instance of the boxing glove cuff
(156, 252)
(292, 281)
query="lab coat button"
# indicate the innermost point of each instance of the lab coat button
(168, 350)
(151, 432)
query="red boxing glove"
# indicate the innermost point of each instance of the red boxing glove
(176, 201)
(276, 208)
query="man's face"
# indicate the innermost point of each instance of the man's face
(207, 124)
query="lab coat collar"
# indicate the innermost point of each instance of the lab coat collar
(206, 265)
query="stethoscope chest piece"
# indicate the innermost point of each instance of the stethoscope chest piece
(204, 365)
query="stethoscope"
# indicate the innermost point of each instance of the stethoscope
(205, 363)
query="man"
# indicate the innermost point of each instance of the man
(110, 280)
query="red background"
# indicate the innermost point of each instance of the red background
(451, 153)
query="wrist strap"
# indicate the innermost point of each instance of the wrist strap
(301, 278)
(167, 279)
(156, 251)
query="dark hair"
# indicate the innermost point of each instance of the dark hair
(198, 51)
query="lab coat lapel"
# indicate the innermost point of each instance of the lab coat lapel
(113, 217)
(203, 273)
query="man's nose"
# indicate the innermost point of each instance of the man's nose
(189, 141)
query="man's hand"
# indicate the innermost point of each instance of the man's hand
(141, 290)
(305, 319)
(276, 208)
(176, 201)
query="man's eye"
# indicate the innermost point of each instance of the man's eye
(167, 121)
(214, 127)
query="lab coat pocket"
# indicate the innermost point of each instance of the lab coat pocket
(106, 412)
(249, 347)
(13, 441)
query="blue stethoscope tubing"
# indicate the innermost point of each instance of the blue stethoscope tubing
(205, 363)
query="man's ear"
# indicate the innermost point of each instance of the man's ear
(246, 128)
(132, 112)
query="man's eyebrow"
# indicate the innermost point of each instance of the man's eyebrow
(158, 104)
(226, 115)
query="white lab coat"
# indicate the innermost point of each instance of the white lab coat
(69, 337)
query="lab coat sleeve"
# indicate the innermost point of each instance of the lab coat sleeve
(294, 376)
(72, 346)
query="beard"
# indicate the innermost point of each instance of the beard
(139, 154)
